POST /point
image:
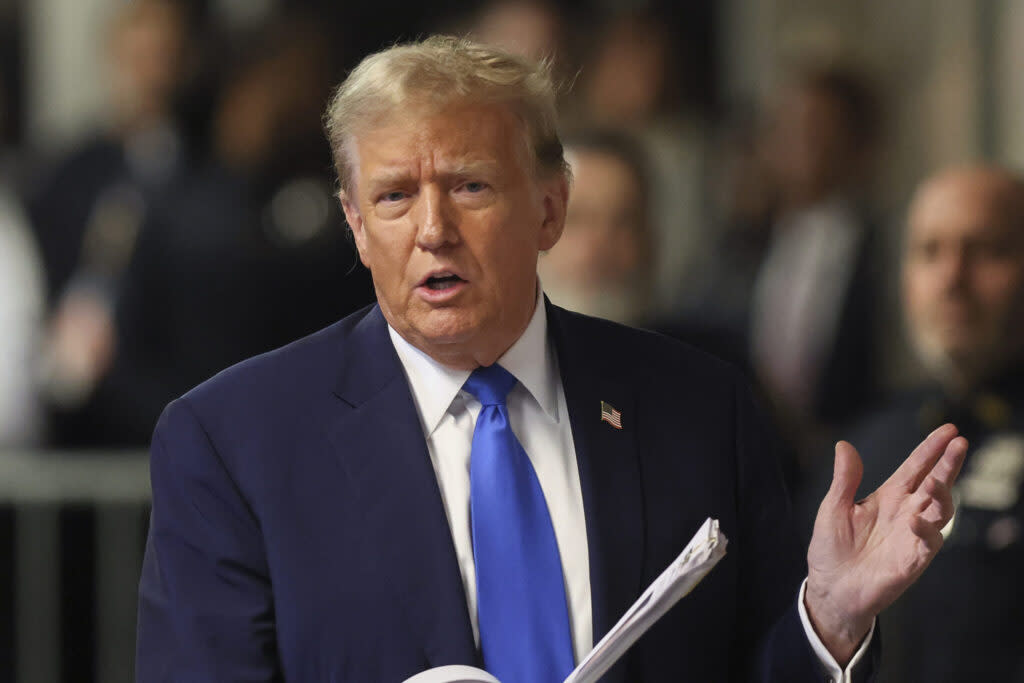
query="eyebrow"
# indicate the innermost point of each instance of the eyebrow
(389, 176)
(464, 168)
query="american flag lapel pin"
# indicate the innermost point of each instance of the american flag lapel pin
(610, 415)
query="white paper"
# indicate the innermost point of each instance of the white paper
(453, 674)
(701, 554)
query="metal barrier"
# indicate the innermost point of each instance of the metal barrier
(36, 487)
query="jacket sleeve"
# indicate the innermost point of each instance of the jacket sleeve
(206, 611)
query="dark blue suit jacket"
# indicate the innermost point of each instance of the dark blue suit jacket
(298, 531)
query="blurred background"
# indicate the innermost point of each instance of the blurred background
(742, 175)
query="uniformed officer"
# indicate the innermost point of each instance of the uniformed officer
(963, 294)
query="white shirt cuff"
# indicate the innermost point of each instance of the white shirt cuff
(835, 673)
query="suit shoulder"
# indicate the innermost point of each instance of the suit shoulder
(306, 364)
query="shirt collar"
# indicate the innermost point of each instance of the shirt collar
(434, 385)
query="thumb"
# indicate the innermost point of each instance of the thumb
(846, 476)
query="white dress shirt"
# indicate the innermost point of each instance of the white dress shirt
(798, 298)
(540, 420)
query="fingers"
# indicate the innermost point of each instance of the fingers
(933, 502)
(929, 534)
(846, 477)
(948, 467)
(916, 467)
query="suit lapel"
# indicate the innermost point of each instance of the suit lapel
(609, 475)
(382, 450)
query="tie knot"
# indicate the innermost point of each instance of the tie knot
(490, 385)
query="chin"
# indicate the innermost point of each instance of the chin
(448, 326)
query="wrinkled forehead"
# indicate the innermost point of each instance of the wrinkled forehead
(462, 131)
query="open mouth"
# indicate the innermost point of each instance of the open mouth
(442, 281)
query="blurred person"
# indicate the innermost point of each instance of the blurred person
(742, 204)
(244, 253)
(813, 311)
(631, 81)
(90, 209)
(963, 298)
(22, 305)
(140, 150)
(531, 28)
(629, 78)
(276, 193)
(603, 263)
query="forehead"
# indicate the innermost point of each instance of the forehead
(962, 208)
(455, 134)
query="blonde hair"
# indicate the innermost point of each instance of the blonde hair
(436, 72)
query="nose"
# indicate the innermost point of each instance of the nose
(436, 227)
(953, 269)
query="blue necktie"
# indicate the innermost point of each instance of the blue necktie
(524, 620)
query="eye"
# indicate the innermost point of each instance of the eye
(926, 251)
(474, 187)
(393, 196)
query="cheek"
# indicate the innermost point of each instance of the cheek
(1000, 290)
(624, 251)
(505, 248)
(914, 293)
(386, 256)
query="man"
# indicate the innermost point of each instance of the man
(963, 291)
(636, 76)
(814, 311)
(605, 260)
(602, 264)
(146, 50)
(465, 473)
(239, 256)
(89, 211)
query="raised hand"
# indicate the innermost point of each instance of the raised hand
(864, 554)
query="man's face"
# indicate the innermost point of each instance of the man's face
(146, 60)
(809, 145)
(601, 266)
(449, 216)
(963, 276)
(605, 238)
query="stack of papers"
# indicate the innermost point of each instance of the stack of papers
(701, 554)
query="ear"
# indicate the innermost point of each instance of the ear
(555, 201)
(355, 222)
